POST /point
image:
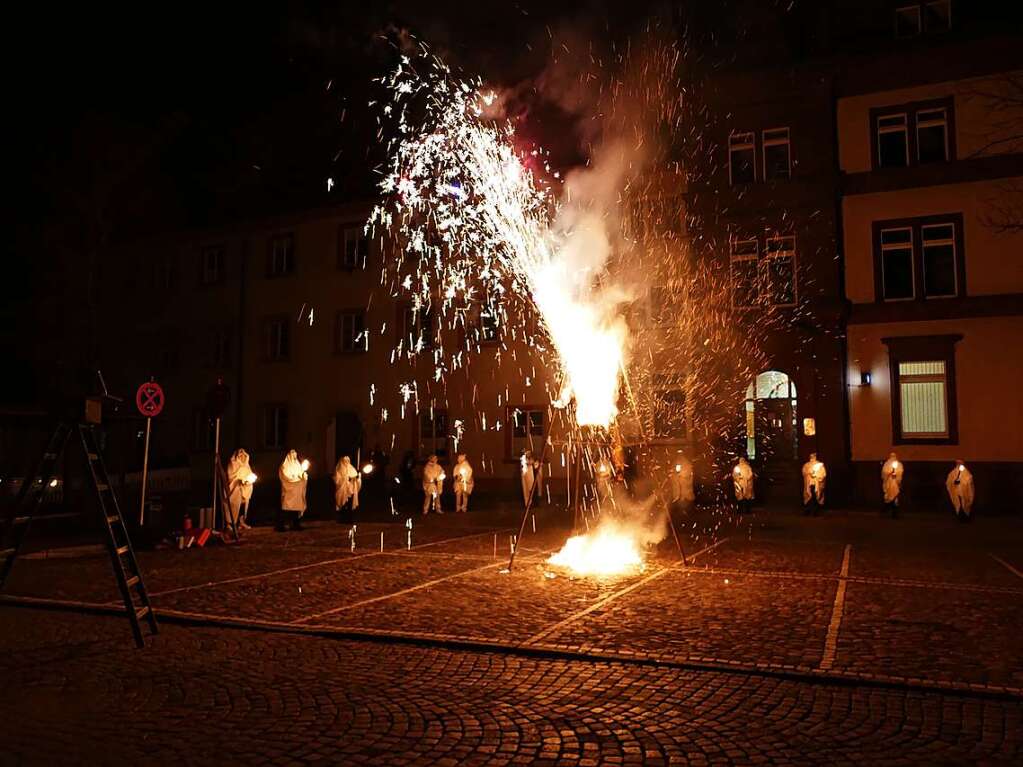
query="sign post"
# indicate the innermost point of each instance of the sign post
(149, 400)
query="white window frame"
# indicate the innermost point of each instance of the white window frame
(880, 131)
(353, 233)
(919, 21)
(276, 331)
(955, 258)
(352, 342)
(921, 378)
(771, 137)
(272, 426)
(912, 260)
(931, 123)
(282, 254)
(789, 253)
(749, 143)
(434, 444)
(733, 243)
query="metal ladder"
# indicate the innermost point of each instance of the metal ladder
(122, 555)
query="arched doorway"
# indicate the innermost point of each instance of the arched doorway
(771, 435)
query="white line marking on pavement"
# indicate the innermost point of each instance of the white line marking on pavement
(409, 590)
(323, 563)
(1011, 569)
(831, 640)
(620, 593)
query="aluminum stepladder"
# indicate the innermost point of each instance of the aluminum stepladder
(122, 555)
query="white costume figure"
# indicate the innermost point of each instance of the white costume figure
(959, 484)
(347, 483)
(433, 485)
(742, 482)
(682, 482)
(891, 481)
(530, 475)
(239, 488)
(463, 483)
(605, 476)
(814, 477)
(294, 478)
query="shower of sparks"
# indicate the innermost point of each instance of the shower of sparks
(478, 233)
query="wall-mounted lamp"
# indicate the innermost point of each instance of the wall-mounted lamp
(864, 378)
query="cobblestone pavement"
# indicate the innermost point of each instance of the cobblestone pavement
(77, 693)
(784, 640)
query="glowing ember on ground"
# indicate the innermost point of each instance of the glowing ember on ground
(607, 550)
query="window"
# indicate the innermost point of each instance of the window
(527, 426)
(913, 134)
(907, 21)
(212, 265)
(938, 242)
(282, 255)
(204, 430)
(433, 432)
(353, 248)
(744, 271)
(275, 426)
(931, 136)
(350, 332)
(669, 420)
(220, 348)
(742, 158)
(922, 399)
(277, 341)
(892, 141)
(919, 258)
(937, 16)
(781, 270)
(165, 274)
(417, 328)
(897, 263)
(923, 389)
(777, 161)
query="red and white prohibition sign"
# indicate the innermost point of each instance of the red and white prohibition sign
(149, 399)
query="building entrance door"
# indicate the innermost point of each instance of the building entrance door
(771, 437)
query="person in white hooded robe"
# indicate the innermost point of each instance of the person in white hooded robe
(433, 485)
(891, 483)
(464, 483)
(814, 477)
(604, 473)
(530, 471)
(294, 478)
(959, 485)
(347, 484)
(681, 478)
(240, 479)
(742, 483)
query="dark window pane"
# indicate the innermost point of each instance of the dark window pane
(931, 143)
(742, 161)
(744, 282)
(898, 273)
(907, 21)
(781, 281)
(891, 149)
(939, 270)
(776, 161)
(896, 236)
(536, 423)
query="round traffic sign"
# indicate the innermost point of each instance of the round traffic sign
(149, 399)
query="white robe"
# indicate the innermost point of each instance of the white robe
(293, 483)
(814, 475)
(432, 479)
(238, 487)
(960, 494)
(464, 482)
(742, 480)
(682, 482)
(347, 483)
(891, 479)
(530, 474)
